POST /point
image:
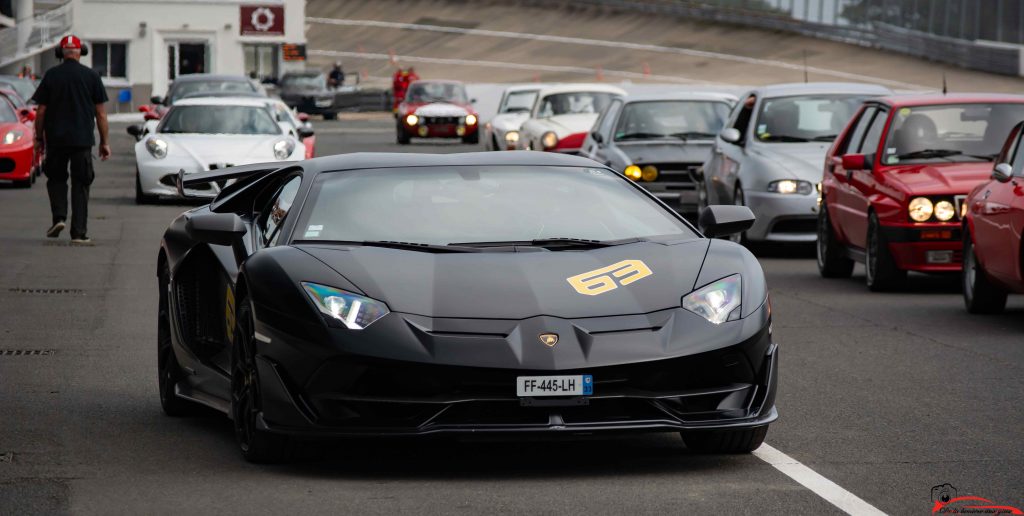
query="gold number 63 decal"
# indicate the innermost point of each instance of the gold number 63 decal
(599, 281)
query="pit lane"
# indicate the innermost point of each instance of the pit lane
(886, 395)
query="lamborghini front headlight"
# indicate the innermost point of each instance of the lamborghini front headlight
(354, 311)
(718, 301)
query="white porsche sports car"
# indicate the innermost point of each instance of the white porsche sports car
(563, 115)
(209, 133)
(502, 131)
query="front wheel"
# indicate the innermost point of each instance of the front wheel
(725, 441)
(880, 269)
(401, 137)
(981, 296)
(832, 259)
(472, 139)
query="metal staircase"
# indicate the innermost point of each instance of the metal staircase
(34, 35)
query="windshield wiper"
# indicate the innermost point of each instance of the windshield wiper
(392, 244)
(782, 138)
(637, 136)
(930, 153)
(825, 138)
(560, 242)
(686, 135)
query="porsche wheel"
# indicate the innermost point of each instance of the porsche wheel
(168, 370)
(725, 441)
(256, 445)
(880, 270)
(832, 259)
(981, 296)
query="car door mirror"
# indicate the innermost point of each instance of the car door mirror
(724, 220)
(218, 229)
(597, 137)
(26, 115)
(1002, 172)
(856, 162)
(731, 135)
(305, 130)
(156, 99)
(134, 130)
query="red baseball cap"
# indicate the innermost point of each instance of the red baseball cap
(71, 41)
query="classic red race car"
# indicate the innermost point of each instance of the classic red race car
(18, 159)
(896, 179)
(437, 109)
(992, 232)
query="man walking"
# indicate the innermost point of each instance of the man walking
(70, 99)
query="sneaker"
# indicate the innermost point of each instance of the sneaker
(55, 229)
(81, 241)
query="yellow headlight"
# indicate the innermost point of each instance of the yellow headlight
(649, 173)
(921, 209)
(633, 172)
(944, 210)
(412, 119)
(512, 137)
(470, 119)
(549, 140)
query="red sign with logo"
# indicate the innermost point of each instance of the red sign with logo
(261, 20)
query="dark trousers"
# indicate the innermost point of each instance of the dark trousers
(56, 164)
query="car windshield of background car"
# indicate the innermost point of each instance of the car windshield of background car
(945, 133)
(24, 87)
(437, 92)
(445, 205)
(818, 118)
(193, 89)
(518, 102)
(7, 114)
(219, 120)
(576, 102)
(671, 119)
(305, 82)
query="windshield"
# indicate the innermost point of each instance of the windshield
(574, 102)
(24, 87)
(468, 204)
(7, 114)
(518, 101)
(805, 118)
(957, 132)
(219, 120)
(194, 88)
(14, 99)
(436, 92)
(671, 119)
(318, 82)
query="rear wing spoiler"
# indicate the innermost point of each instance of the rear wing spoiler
(224, 174)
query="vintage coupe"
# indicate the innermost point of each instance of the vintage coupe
(770, 154)
(660, 141)
(993, 232)
(415, 294)
(437, 109)
(563, 115)
(502, 131)
(896, 179)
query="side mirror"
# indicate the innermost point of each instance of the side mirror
(597, 137)
(856, 162)
(144, 108)
(1002, 172)
(304, 131)
(303, 117)
(156, 99)
(27, 114)
(731, 135)
(151, 115)
(134, 130)
(219, 229)
(723, 220)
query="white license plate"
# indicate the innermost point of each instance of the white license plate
(572, 385)
(323, 103)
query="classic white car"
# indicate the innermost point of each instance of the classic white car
(202, 134)
(502, 131)
(563, 115)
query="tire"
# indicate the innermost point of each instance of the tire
(472, 139)
(27, 183)
(880, 270)
(831, 255)
(168, 370)
(330, 116)
(981, 296)
(725, 441)
(401, 136)
(739, 200)
(256, 445)
(141, 198)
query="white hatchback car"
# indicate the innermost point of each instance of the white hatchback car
(207, 133)
(562, 116)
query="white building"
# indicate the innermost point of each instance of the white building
(141, 46)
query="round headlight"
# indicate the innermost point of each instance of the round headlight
(470, 119)
(13, 136)
(633, 172)
(512, 137)
(549, 140)
(411, 119)
(283, 149)
(156, 147)
(649, 173)
(944, 210)
(920, 209)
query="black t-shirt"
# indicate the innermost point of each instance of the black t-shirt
(70, 92)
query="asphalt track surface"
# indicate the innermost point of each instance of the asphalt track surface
(886, 395)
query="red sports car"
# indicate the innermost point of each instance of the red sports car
(896, 179)
(17, 146)
(992, 232)
(437, 109)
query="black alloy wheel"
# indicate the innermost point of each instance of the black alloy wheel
(831, 255)
(880, 270)
(981, 296)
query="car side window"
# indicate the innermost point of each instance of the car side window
(746, 112)
(1017, 159)
(608, 120)
(856, 137)
(874, 134)
(277, 210)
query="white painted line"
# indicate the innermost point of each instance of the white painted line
(819, 485)
(857, 77)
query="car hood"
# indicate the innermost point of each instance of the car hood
(508, 285)
(509, 121)
(438, 109)
(795, 160)
(564, 125)
(938, 178)
(661, 151)
(222, 148)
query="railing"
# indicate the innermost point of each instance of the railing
(33, 35)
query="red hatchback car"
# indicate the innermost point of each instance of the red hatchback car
(992, 231)
(437, 109)
(896, 180)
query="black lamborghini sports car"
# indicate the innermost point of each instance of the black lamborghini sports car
(412, 294)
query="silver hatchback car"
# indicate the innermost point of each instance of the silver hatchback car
(770, 156)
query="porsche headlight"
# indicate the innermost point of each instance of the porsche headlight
(354, 311)
(470, 119)
(633, 172)
(157, 147)
(944, 211)
(13, 136)
(649, 173)
(283, 149)
(411, 119)
(512, 137)
(717, 302)
(920, 209)
(790, 186)
(549, 140)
